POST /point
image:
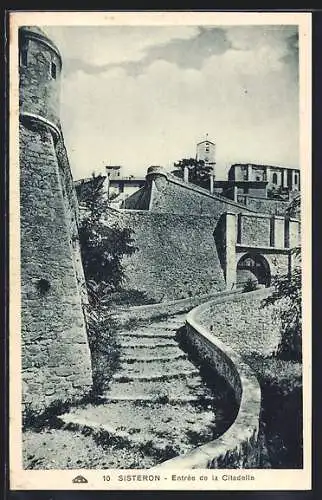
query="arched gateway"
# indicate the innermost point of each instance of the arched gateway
(255, 267)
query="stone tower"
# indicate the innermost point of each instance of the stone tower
(206, 151)
(56, 363)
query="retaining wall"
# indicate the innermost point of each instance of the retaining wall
(239, 446)
(176, 256)
(169, 308)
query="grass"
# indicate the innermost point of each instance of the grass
(130, 297)
(281, 417)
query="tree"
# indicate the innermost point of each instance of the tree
(102, 246)
(199, 171)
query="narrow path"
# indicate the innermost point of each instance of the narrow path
(157, 402)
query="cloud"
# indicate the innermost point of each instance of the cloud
(243, 99)
(141, 96)
(96, 49)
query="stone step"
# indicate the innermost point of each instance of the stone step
(127, 358)
(185, 387)
(124, 376)
(142, 398)
(166, 326)
(148, 333)
(152, 342)
(160, 424)
(152, 351)
(147, 368)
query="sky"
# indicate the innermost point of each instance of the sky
(145, 95)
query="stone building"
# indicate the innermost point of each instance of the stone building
(56, 363)
(206, 151)
(115, 186)
(268, 178)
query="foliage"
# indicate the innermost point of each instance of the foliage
(281, 416)
(294, 208)
(130, 298)
(198, 171)
(102, 245)
(103, 345)
(287, 296)
(250, 285)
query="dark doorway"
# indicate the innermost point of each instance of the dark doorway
(254, 267)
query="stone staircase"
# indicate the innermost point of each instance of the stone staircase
(157, 401)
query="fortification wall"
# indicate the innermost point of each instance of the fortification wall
(72, 214)
(262, 205)
(175, 196)
(254, 230)
(176, 256)
(39, 93)
(55, 353)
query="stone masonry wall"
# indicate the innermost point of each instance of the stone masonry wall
(265, 206)
(179, 197)
(242, 323)
(39, 93)
(55, 353)
(176, 255)
(255, 230)
(72, 214)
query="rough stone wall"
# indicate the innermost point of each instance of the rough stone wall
(176, 255)
(265, 206)
(72, 213)
(39, 93)
(241, 322)
(55, 353)
(255, 230)
(178, 197)
(138, 200)
(172, 195)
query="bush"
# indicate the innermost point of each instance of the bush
(102, 245)
(101, 330)
(281, 416)
(250, 285)
(287, 297)
(127, 297)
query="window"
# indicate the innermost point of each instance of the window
(258, 178)
(53, 70)
(295, 178)
(274, 178)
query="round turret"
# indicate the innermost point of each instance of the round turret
(39, 77)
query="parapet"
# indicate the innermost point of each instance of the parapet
(156, 171)
(40, 66)
(38, 35)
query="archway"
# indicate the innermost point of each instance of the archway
(255, 267)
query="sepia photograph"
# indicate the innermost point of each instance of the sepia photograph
(160, 243)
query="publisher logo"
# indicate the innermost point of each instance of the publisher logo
(80, 480)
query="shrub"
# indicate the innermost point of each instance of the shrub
(101, 331)
(250, 285)
(287, 297)
(102, 245)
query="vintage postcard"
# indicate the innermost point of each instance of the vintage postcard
(160, 242)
